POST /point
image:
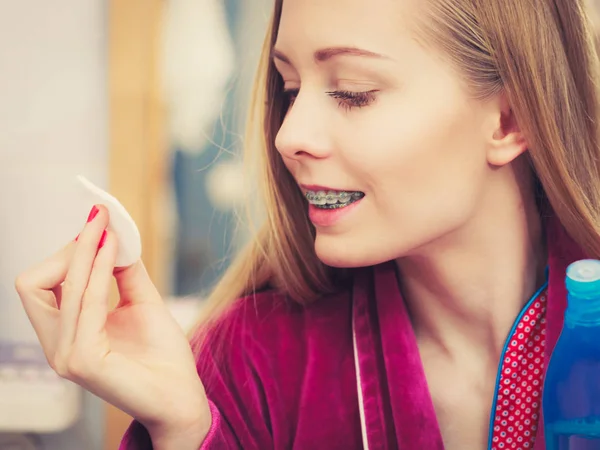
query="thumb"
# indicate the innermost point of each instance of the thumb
(135, 285)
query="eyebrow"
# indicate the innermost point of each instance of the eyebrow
(325, 54)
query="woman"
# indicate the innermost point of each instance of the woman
(446, 152)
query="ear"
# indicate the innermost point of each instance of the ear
(507, 141)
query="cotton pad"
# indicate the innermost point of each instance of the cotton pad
(121, 224)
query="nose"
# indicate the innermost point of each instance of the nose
(305, 131)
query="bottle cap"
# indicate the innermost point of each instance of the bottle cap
(583, 278)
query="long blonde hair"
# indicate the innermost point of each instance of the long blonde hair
(542, 54)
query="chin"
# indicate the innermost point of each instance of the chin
(346, 253)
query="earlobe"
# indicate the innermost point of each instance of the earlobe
(506, 149)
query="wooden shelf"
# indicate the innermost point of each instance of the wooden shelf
(137, 143)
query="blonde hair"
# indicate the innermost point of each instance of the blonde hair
(541, 54)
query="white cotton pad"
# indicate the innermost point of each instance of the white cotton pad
(121, 223)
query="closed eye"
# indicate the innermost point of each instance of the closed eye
(351, 99)
(346, 99)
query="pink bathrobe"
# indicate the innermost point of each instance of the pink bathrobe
(285, 376)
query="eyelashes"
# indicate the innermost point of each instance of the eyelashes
(346, 99)
(349, 99)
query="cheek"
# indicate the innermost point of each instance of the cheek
(423, 166)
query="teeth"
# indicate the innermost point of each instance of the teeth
(320, 198)
(344, 197)
(331, 198)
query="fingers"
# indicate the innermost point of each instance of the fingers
(135, 285)
(46, 275)
(38, 288)
(77, 278)
(73, 282)
(94, 305)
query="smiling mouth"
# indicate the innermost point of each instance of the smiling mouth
(333, 199)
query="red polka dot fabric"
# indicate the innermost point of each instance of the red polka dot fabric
(519, 397)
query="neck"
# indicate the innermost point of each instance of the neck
(465, 290)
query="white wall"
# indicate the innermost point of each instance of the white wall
(53, 125)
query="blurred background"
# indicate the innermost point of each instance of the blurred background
(147, 99)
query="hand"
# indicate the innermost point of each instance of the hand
(135, 356)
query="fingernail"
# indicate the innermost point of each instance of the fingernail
(77, 238)
(102, 240)
(93, 213)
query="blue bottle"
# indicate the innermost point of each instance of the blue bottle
(571, 397)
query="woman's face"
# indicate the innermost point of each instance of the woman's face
(375, 113)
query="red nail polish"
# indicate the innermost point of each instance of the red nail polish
(93, 213)
(102, 240)
(77, 238)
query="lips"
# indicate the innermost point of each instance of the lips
(328, 215)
